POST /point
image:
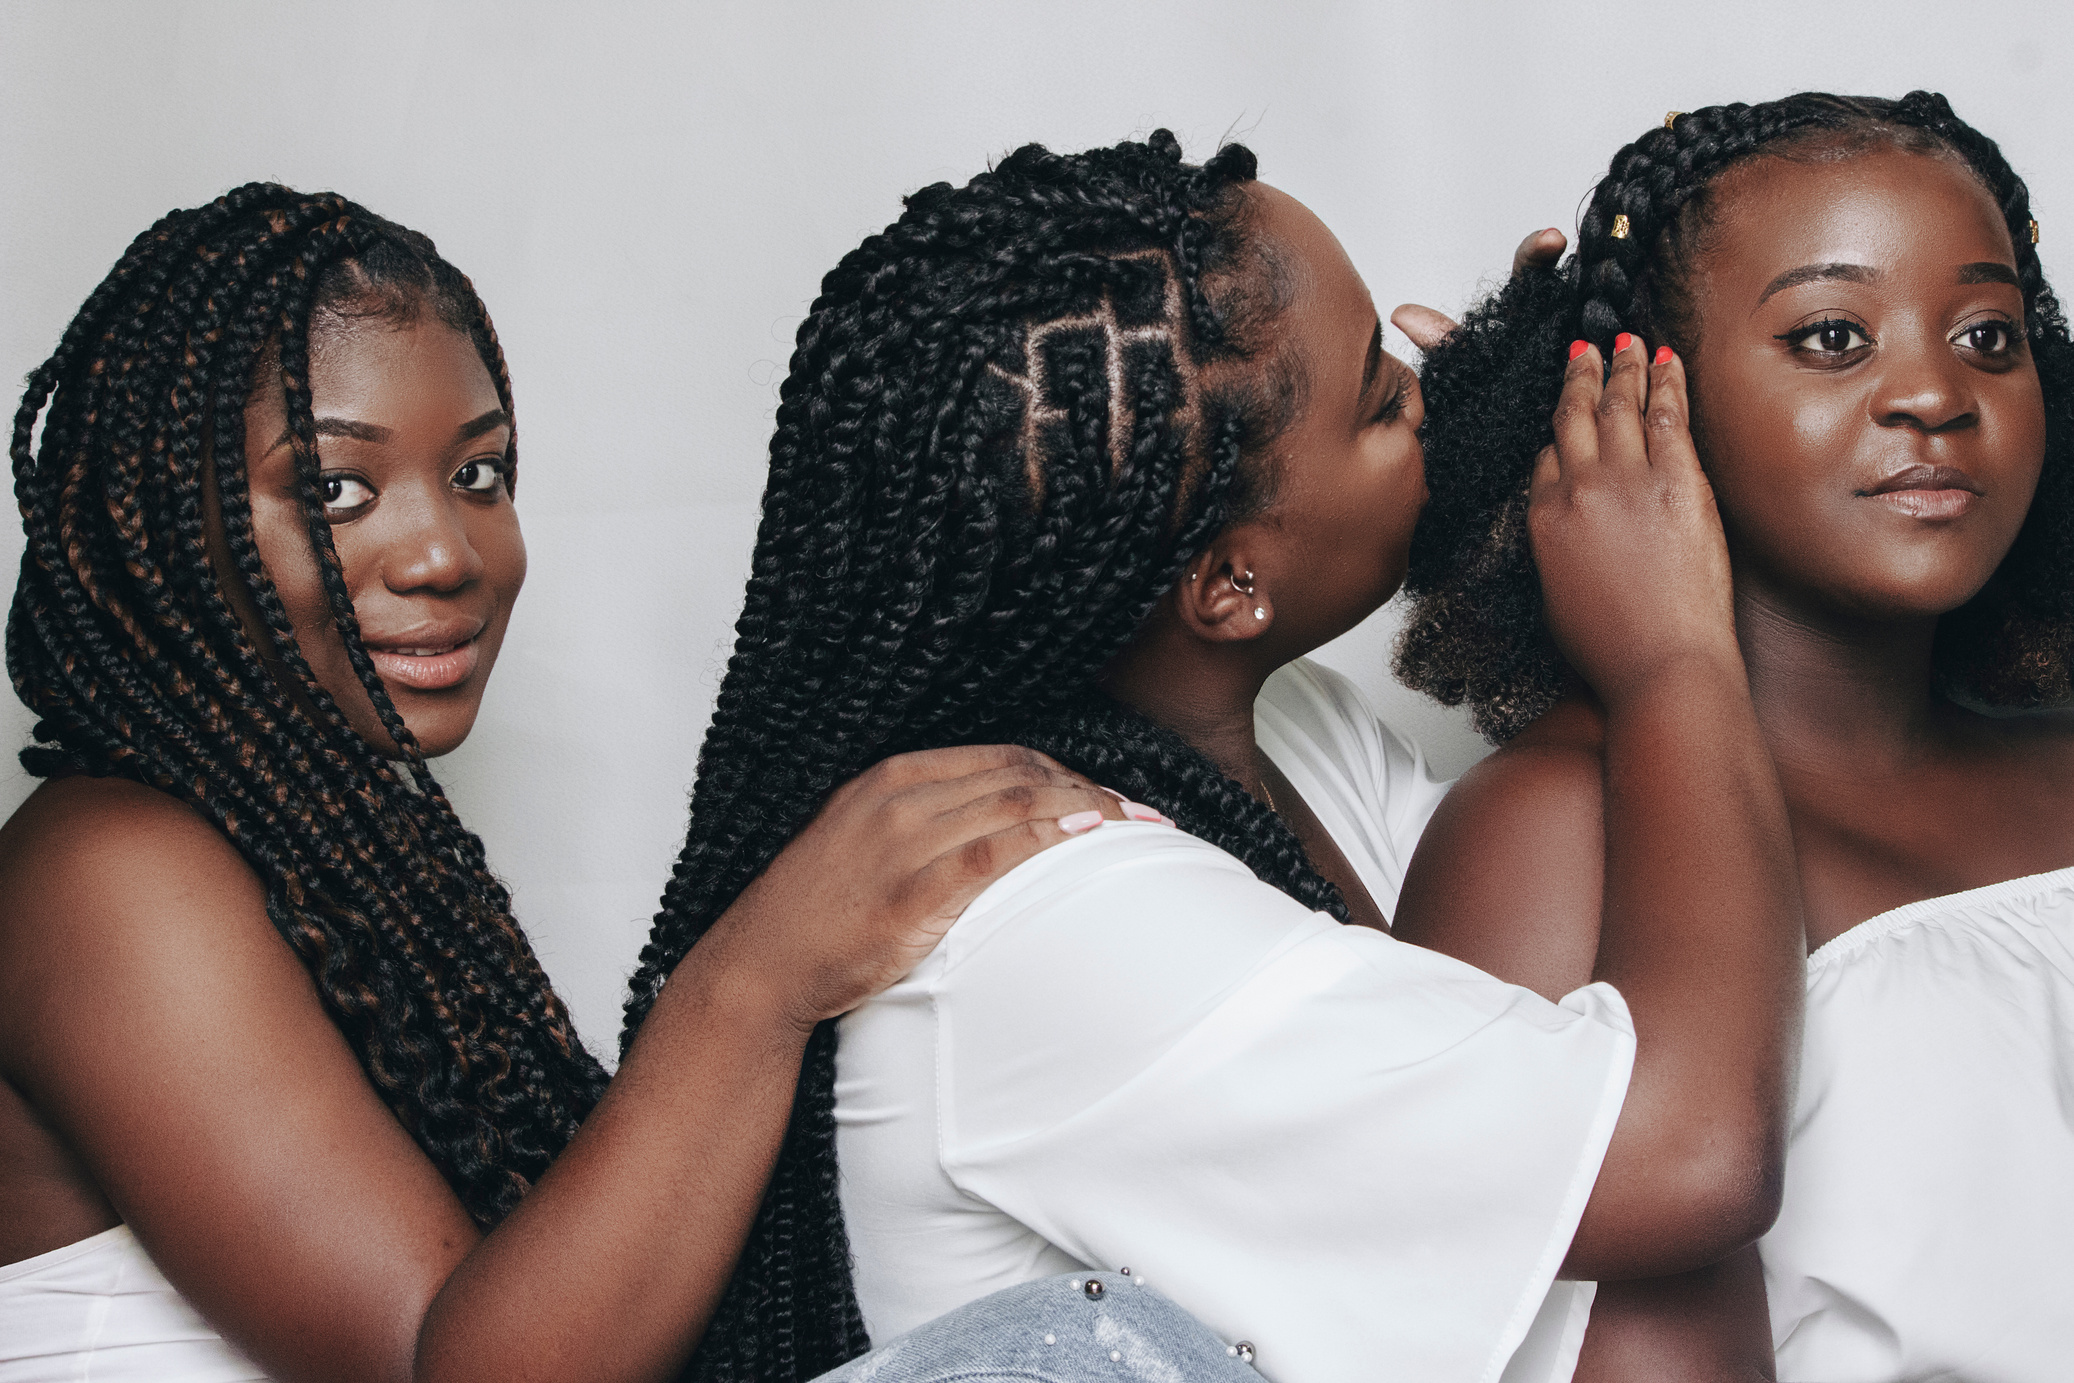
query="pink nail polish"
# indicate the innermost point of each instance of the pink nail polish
(1114, 793)
(1138, 811)
(1077, 822)
(1169, 821)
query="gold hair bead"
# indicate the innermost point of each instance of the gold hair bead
(1671, 115)
(2034, 232)
(1620, 226)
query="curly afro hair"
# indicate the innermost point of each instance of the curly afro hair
(1475, 631)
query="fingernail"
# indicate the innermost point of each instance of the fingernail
(1114, 793)
(1623, 341)
(1577, 348)
(1138, 811)
(1663, 355)
(1169, 821)
(1077, 822)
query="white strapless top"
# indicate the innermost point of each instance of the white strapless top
(100, 1311)
(1928, 1228)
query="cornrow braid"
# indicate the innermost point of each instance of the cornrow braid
(1475, 632)
(1010, 419)
(122, 641)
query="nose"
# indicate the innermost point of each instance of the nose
(430, 548)
(1926, 388)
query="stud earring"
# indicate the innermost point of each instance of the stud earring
(1259, 612)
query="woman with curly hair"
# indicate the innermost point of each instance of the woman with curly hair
(1085, 455)
(264, 1009)
(1882, 391)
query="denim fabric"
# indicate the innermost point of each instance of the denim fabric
(1052, 1331)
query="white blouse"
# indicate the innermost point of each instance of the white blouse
(1364, 1157)
(100, 1309)
(1928, 1225)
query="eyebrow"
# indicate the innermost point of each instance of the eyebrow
(1816, 273)
(1988, 271)
(1374, 363)
(375, 432)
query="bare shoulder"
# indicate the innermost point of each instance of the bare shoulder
(103, 881)
(1509, 874)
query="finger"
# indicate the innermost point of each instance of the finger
(948, 884)
(989, 806)
(1621, 405)
(1539, 250)
(937, 765)
(1548, 469)
(1426, 327)
(1669, 424)
(1576, 413)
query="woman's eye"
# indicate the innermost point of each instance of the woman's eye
(1829, 338)
(480, 477)
(1989, 338)
(344, 491)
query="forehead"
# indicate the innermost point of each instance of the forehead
(1886, 207)
(1328, 304)
(380, 365)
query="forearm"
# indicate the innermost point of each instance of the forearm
(613, 1264)
(1710, 1325)
(1701, 933)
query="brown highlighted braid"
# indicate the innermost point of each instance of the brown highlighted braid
(122, 642)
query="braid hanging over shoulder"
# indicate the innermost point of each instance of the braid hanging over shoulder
(123, 643)
(1475, 633)
(1010, 419)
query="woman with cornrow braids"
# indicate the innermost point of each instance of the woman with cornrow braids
(1084, 456)
(1882, 387)
(264, 1009)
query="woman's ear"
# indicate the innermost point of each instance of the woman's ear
(1221, 598)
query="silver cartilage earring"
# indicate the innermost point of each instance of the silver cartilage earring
(1246, 589)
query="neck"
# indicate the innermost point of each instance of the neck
(1828, 686)
(1204, 692)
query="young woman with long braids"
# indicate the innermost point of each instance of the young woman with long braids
(1883, 394)
(264, 1009)
(1078, 456)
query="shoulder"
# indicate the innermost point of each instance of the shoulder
(1510, 873)
(105, 883)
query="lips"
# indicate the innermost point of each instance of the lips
(1927, 492)
(431, 658)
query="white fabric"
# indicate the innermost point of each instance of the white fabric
(1365, 1157)
(101, 1310)
(1928, 1225)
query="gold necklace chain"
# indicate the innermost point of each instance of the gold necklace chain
(1267, 795)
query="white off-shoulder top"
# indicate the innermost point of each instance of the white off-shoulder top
(1366, 1158)
(1928, 1225)
(101, 1310)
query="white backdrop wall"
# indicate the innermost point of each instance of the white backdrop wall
(648, 193)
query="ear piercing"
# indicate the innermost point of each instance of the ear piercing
(1247, 588)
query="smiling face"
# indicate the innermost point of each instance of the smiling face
(1867, 405)
(1348, 471)
(411, 440)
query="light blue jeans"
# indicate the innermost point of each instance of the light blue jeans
(1069, 1329)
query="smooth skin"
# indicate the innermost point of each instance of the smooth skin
(168, 1063)
(1626, 537)
(1811, 390)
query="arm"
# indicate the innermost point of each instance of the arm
(152, 1014)
(1698, 922)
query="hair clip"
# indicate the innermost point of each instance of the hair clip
(1620, 226)
(2034, 232)
(1671, 115)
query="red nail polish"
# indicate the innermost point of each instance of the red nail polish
(1576, 349)
(1622, 342)
(1663, 355)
